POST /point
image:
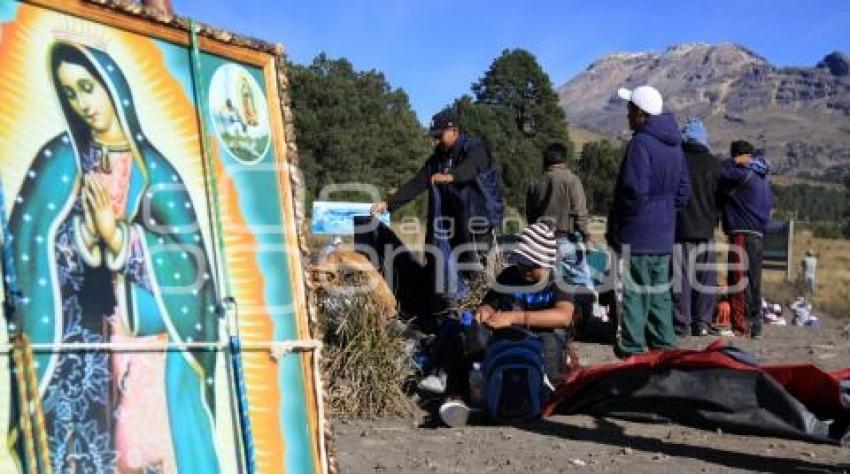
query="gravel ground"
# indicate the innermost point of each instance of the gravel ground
(583, 443)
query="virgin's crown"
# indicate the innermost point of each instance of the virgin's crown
(86, 35)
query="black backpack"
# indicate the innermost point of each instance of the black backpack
(490, 204)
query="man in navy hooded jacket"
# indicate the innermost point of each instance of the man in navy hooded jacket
(746, 203)
(652, 186)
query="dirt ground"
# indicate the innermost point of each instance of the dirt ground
(583, 443)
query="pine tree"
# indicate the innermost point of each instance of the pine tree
(598, 169)
(515, 109)
(351, 126)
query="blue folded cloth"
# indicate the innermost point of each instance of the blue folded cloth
(760, 164)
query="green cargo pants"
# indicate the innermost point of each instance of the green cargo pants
(647, 317)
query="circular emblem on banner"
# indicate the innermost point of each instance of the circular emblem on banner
(239, 113)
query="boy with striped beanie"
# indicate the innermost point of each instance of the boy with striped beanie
(527, 294)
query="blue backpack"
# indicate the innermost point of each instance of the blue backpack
(514, 389)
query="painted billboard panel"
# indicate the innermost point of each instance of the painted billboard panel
(257, 256)
(144, 185)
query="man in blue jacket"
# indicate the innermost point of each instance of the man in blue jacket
(652, 186)
(746, 202)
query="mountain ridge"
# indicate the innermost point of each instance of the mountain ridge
(801, 114)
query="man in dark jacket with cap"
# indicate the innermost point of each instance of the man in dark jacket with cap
(693, 307)
(652, 185)
(746, 202)
(465, 199)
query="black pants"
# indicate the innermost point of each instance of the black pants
(746, 301)
(411, 282)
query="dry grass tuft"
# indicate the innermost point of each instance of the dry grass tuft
(481, 282)
(367, 358)
(832, 296)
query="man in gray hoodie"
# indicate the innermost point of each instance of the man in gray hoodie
(557, 199)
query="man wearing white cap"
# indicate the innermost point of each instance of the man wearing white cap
(652, 186)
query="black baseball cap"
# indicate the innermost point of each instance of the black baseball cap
(446, 118)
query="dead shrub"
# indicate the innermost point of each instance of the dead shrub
(367, 359)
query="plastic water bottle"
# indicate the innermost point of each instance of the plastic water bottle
(466, 318)
(476, 385)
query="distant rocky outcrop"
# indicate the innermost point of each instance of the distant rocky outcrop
(837, 62)
(801, 114)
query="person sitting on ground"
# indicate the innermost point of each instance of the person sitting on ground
(528, 294)
(801, 308)
(722, 325)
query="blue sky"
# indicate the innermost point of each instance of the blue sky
(434, 50)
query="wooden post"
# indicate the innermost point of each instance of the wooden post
(789, 275)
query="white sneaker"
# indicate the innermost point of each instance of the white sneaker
(434, 383)
(726, 332)
(454, 413)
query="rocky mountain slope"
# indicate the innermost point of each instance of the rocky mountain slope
(802, 114)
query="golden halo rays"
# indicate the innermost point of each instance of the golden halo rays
(30, 114)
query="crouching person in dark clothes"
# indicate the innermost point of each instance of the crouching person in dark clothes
(464, 205)
(525, 296)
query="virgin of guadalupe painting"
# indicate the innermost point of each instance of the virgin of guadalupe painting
(108, 247)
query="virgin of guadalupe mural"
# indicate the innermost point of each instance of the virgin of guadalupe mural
(108, 248)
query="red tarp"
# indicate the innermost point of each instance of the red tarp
(820, 392)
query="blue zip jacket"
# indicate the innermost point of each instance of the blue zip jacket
(745, 197)
(653, 184)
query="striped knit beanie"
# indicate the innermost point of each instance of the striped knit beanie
(536, 246)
